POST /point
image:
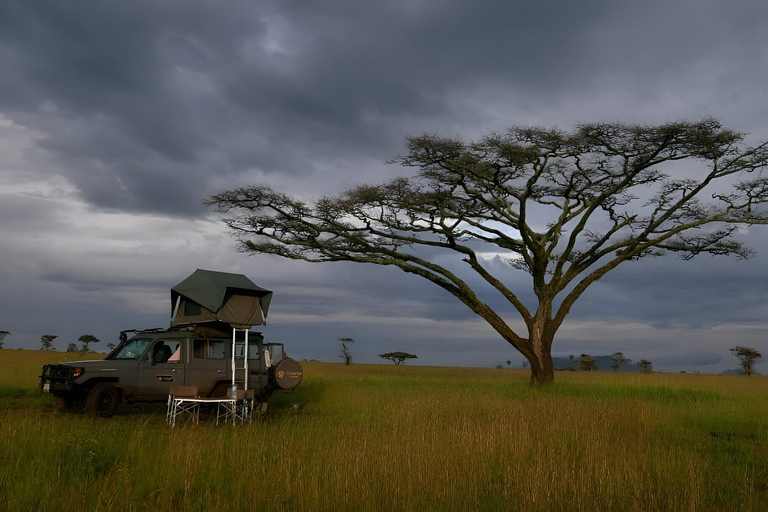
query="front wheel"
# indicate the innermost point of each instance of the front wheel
(102, 400)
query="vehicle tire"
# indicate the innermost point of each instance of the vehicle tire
(102, 400)
(67, 405)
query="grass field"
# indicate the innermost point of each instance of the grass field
(371, 437)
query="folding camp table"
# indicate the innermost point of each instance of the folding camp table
(183, 400)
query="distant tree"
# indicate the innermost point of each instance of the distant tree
(72, 348)
(346, 353)
(525, 365)
(87, 339)
(618, 359)
(398, 357)
(587, 363)
(645, 366)
(46, 341)
(110, 346)
(509, 363)
(565, 207)
(747, 356)
(3, 334)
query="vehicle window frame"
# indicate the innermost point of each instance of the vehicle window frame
(129, 343)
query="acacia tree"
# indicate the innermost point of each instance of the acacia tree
(398, 357)
(747, 357)
(346, 352)
(565, 207)
(645, 366)
(46, 341)
(3, 334)
(618, 359)
(87, 339)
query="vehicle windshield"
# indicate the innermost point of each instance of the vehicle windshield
(132, 349)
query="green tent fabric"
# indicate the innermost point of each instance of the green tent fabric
(208, 296)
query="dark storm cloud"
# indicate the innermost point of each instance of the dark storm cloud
(144, 102)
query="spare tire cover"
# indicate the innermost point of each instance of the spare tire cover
(288, 374)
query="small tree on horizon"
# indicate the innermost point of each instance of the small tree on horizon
(645, 366)
(87, 339)
(72, 347)
(618, 359)
(587, 363)
(46, 341)
(346, 353)
(3, 334)
(747, 357)
(398, 357)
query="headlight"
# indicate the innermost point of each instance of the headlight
(78, 371)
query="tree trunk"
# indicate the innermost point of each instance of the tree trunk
(542, 370)
(539, 353)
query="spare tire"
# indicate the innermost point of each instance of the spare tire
(287, 374)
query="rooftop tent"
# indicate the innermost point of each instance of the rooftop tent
(208, 296)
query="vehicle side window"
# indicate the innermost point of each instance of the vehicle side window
(276, 352)
(165, 351)
(208, 349)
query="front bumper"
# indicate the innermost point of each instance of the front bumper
(57, 379)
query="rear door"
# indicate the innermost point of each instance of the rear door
(161, 367)
(210, 363)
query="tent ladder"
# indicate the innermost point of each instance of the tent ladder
(240, 359)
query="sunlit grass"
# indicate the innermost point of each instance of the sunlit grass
(370, 437)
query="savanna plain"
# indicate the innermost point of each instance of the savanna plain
(374, 437)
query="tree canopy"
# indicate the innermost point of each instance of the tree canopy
(398, 357)
(587, 363)
(46, 341)
(747, 357)
(645, 366)
(567, 207)
(618, 359)
(87, 339)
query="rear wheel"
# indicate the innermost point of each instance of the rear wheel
(102, 400)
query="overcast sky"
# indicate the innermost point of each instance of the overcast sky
(117, 119)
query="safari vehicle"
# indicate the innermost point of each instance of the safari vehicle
(209, 345)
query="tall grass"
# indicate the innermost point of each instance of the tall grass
(373, 437)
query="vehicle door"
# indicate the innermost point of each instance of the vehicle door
(257, 368)
(161, 366)
(210, 364)
(123, 362)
